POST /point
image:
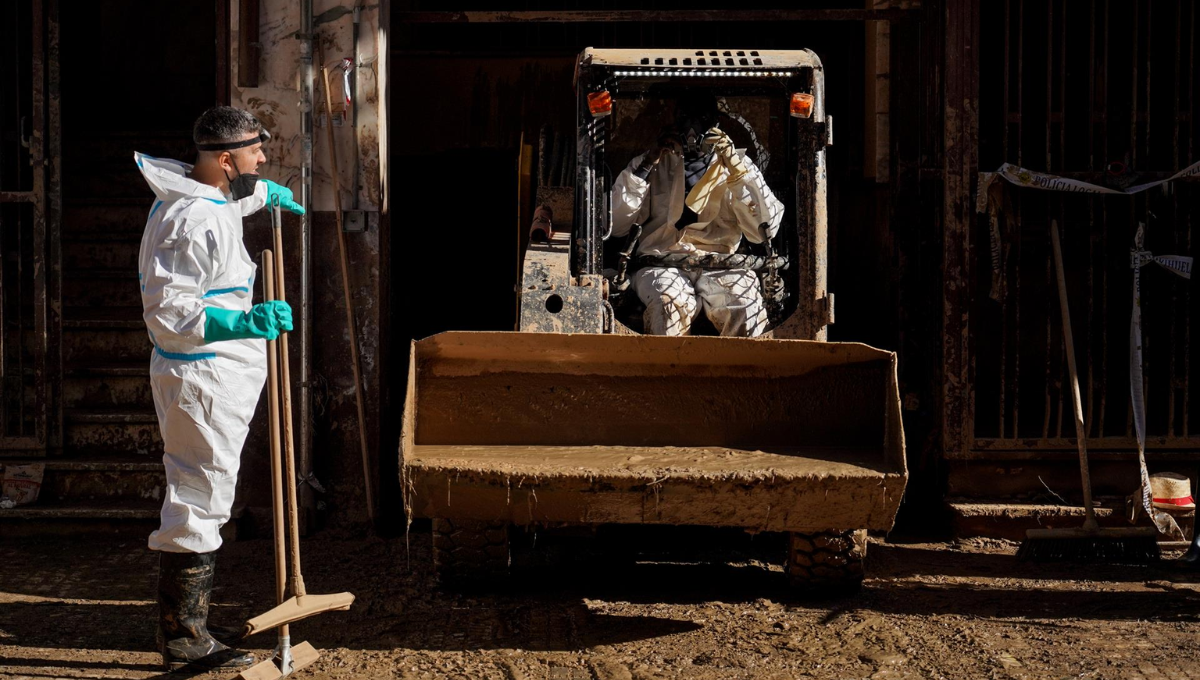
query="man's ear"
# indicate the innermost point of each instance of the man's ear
(225, 160)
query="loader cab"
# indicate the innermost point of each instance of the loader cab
(770, 103)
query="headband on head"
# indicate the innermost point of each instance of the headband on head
(262, 137)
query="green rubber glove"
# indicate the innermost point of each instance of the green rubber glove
(264, 320)
(284, 194)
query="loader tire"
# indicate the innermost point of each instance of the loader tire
(826, 563)
(470, 551)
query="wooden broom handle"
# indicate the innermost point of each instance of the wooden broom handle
(1080, 435)
(276, 451)
(368, 486)
(288, 438)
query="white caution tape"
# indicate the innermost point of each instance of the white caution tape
(994, 202)
(997, 258)
(1181, 266)
(1024, 177)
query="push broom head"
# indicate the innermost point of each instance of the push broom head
(296, 608)
(1124, 545)
(303, 656)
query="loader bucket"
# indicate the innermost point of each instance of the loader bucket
(543, 428)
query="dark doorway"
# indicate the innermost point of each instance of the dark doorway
(466, 95)
(135, 74)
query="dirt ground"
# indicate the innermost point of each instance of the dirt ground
(85, 609)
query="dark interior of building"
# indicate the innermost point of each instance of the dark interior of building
(467, 95)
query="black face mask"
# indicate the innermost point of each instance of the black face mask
(243, 184)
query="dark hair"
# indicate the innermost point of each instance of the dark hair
(222, 124)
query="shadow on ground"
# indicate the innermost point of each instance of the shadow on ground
(97, 596)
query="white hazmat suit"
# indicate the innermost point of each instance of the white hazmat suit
(192, 257)
(674, 297)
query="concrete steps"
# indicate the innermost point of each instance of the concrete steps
(116, 180)
(1004, 518)
(126, 519)
(110, 476)
(74, 517)
(126, 431)
(103, 478)
(105, 338)
(120, 289)
(108, 387)
(106, 217)
(114, 251)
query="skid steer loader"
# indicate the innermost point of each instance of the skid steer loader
(579, 418)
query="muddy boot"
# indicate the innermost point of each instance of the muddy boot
(184, 587)
(1191, 558)
(227, 635)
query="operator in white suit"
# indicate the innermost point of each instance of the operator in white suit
(209, 360)
(695, 192)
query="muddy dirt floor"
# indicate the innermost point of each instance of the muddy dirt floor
(72, 609)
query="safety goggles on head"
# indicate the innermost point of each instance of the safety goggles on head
(263, 137)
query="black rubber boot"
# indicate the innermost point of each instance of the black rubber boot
(185, 583)
(227, 635)
(1191, 558)
(230, 636)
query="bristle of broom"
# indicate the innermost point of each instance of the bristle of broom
(1114, 550)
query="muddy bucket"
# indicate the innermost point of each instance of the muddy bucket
(780, 435)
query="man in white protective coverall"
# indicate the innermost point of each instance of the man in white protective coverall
(695, 192)
(209, 361)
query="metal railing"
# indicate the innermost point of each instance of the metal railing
(1105, 92)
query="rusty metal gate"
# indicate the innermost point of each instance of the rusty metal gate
(1101, 91)
(28, 193)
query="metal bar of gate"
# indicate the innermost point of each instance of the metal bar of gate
(1133, 103)
(1102, 78)
(3, 336)
(38, 217)
(20, 228)
(1049, 282)
(6, 197)
(1090, 418)
(1172, 381)
(1017, 208)
(1003, 401)
(1194, 111)
(1067, 233)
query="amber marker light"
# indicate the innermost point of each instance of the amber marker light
(600, 103)
(802, 105)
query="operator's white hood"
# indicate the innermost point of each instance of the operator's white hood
(170, 182)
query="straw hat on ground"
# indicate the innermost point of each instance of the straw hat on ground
(1171, 491)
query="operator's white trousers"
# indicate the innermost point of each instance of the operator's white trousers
(204, 410)
(674, 298)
